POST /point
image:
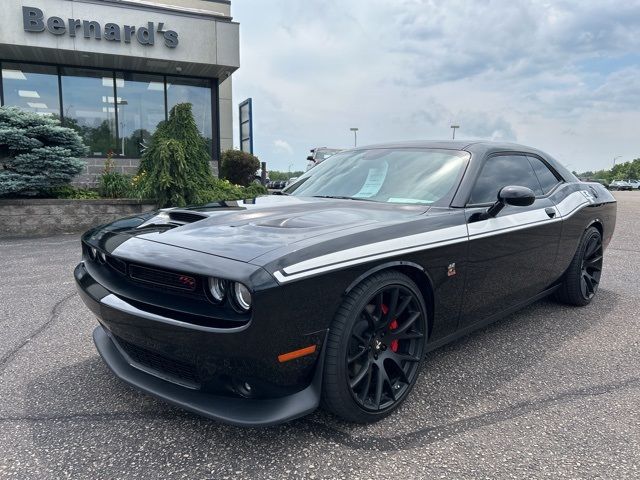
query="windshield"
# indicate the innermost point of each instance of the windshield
(324, 153)
(403, 175)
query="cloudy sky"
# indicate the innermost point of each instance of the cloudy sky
(561, 76)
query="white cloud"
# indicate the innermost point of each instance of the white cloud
(280, 146)
(524, 71)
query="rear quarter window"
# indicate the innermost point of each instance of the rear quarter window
(548, 180)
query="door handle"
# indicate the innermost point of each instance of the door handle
(551, 212)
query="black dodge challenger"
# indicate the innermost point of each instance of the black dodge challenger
(255, 312)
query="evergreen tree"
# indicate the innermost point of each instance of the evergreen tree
(36, 153)
(175, 167)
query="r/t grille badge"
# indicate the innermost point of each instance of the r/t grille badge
(189, 282)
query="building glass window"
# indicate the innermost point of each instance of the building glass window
(197, 92)
(140, 110)
(116, 112)
(89, 102)
(31, 87)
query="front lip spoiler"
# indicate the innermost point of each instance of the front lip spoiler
(244, 412)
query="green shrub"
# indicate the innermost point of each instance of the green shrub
(115, 185)
(175, 168)
(36, 153)
(71, 192)
(239, 167)
(255, 190)
(221, 190)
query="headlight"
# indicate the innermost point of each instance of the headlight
(218, 289)
(102, 257)
(242, 297)
(93, 253)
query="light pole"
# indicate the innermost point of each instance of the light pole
(355, 136)
(616, 158)
(453, 127)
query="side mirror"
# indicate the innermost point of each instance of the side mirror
(310, 158)
(512, 195)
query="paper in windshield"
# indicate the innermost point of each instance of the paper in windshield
(374, 181)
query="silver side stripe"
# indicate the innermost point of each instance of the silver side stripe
(430, 240)
(374, 251)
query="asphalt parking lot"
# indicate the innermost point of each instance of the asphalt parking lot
(549, 392)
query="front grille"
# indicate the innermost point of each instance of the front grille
(116, 264)
(162, 277)
(159, 363)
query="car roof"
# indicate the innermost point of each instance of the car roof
(478, 149)
(473, 146)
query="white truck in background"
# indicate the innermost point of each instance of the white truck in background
(320, 154)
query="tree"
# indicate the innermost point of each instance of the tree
(239, 167)
(276, 175)
(36, 153)
(175, 167)
(620, 171)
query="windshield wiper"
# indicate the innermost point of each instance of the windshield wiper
(340, 197)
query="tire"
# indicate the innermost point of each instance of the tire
(582, 278)
(377, 338)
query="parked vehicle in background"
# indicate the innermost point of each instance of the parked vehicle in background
(277, 184)
(258, 177)
(620, 185)
(635, 184)
(319, 155)
(601, 181)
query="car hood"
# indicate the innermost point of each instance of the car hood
(245, 230)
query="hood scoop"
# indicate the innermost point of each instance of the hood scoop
(186, 216)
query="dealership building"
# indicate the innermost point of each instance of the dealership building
(113, 69)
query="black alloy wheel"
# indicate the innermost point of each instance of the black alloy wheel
(591, 267)
(582, 278)
(375, 348)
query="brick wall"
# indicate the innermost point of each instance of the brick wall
(35, 217)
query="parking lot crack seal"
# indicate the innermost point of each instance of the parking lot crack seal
(428, 435)
(54, 314)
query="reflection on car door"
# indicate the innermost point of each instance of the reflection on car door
(511, 256)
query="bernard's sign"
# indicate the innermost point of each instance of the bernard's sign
(35, 21)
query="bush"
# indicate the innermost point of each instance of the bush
(115, 184)
(36, 153)
(223, 190)
(239, 167)
(71, 192)
(175, 167)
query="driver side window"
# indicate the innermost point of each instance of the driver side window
(500, 171)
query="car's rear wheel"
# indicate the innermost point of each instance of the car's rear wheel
(582, 278)
(374, 349)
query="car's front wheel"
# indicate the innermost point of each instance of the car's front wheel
(582, 278)
(374, 349)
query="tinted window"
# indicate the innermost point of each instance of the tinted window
(501, 171)
(31, 87)
(89, 103)
(197, 92)
(140, 110)
(545, 176)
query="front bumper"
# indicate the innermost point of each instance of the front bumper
(243, 412)
(199, 368)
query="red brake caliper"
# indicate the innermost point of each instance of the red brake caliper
(392, 326)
